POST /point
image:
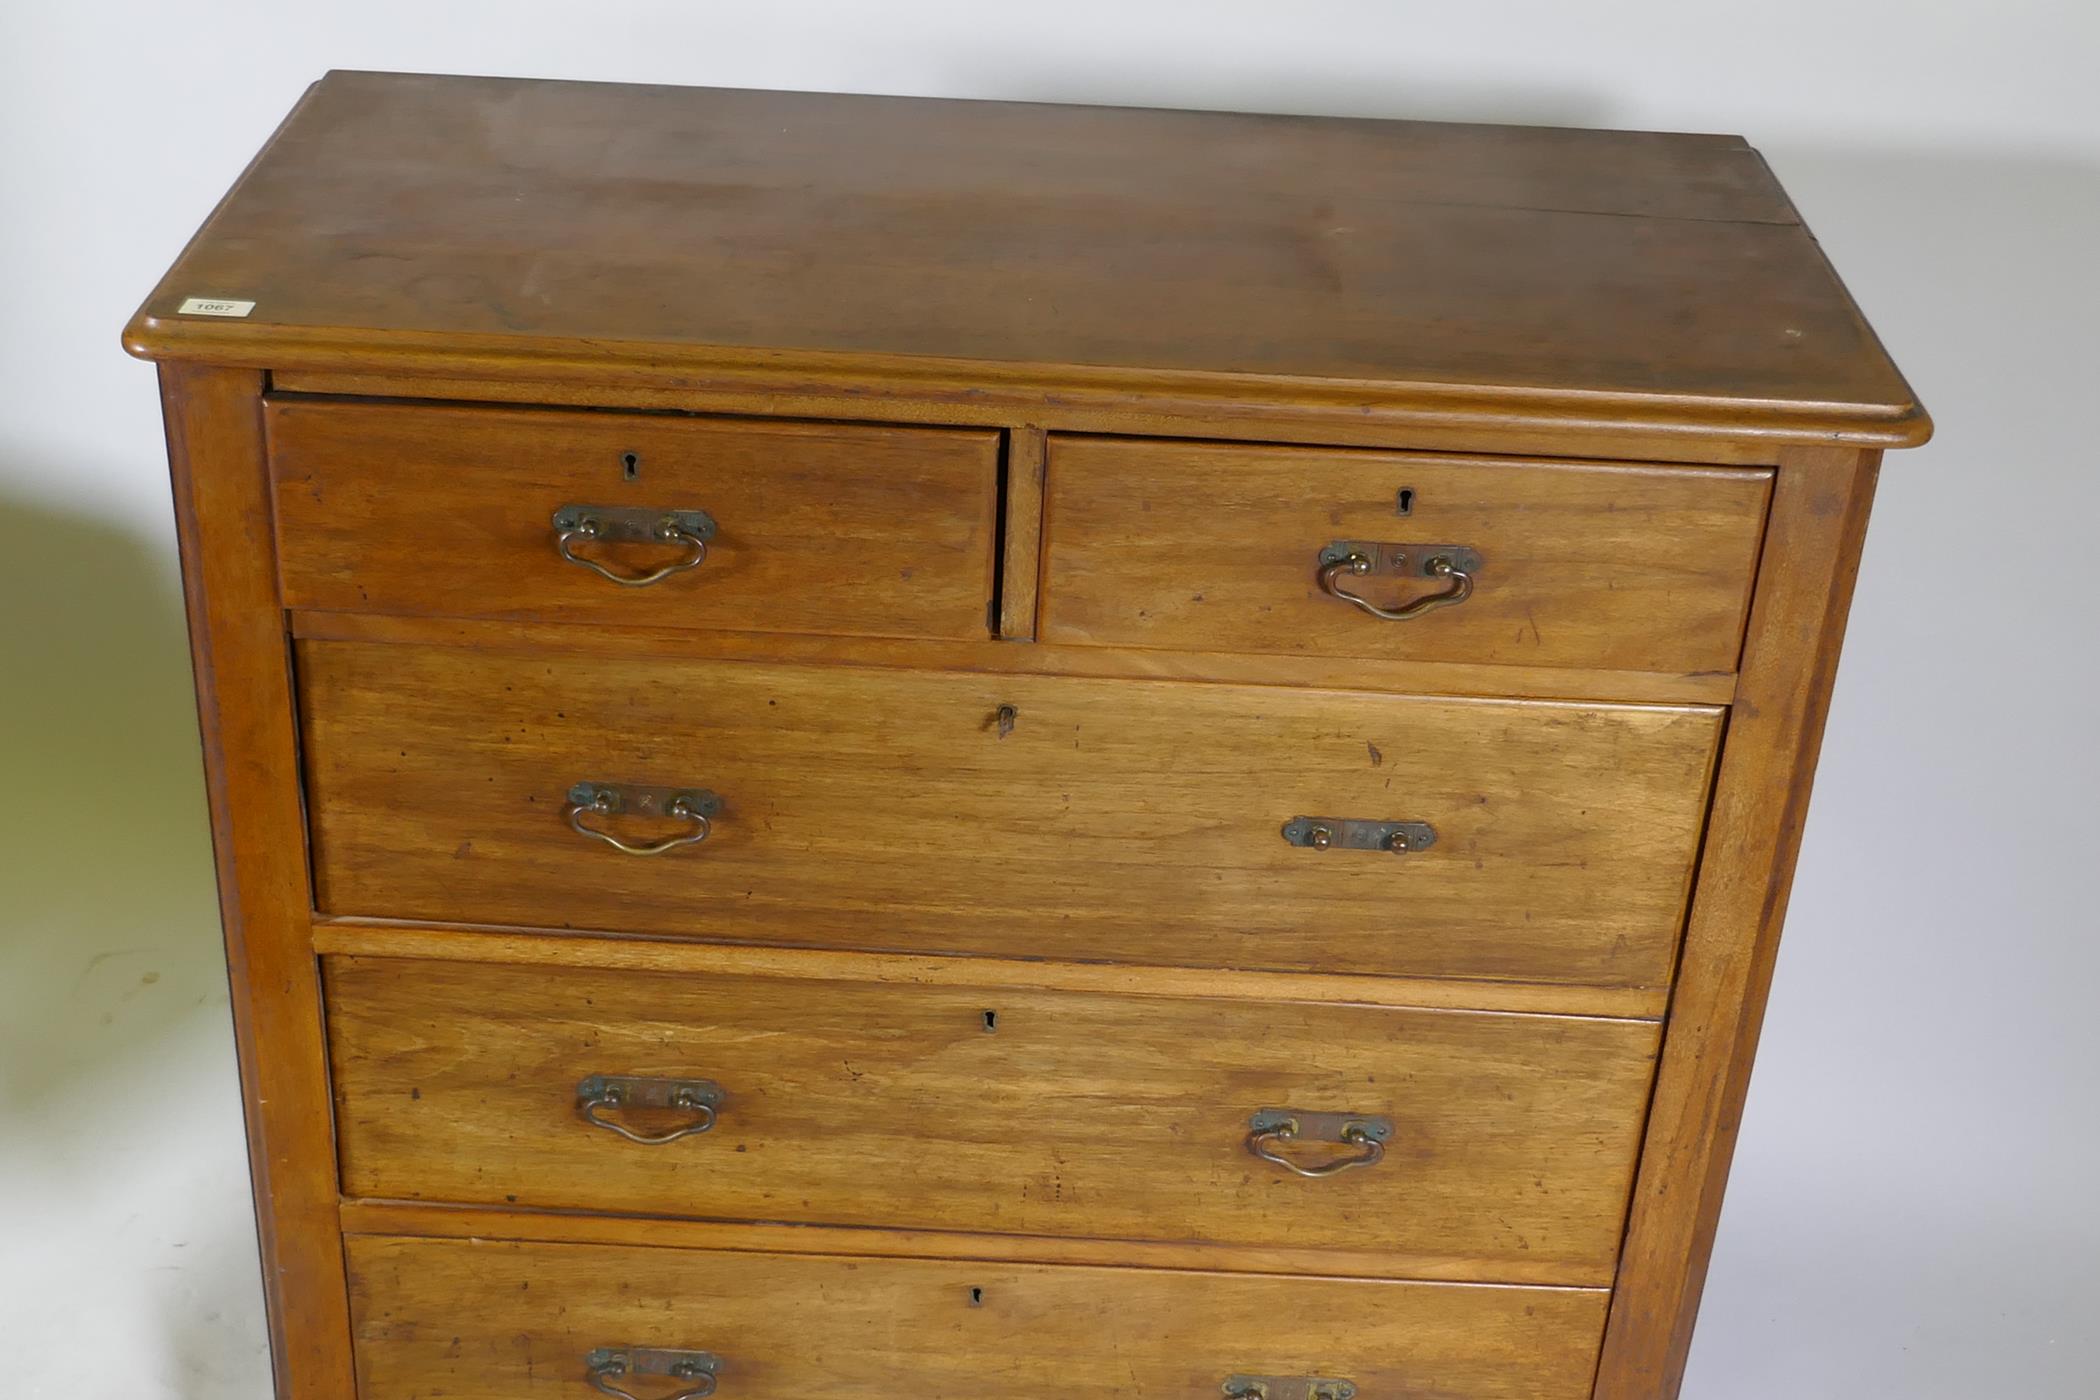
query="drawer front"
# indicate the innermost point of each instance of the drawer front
(809, 527)
(1135, 821)
(1507, 1152)
(496, 1320)
(1215, 547)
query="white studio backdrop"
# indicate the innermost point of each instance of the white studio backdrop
(1911, 1214)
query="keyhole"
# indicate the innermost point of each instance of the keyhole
(991, 1022)
(977, 1297)
(630, 465)
(1405, 503)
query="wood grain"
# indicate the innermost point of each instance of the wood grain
(1215, 547)
(530, 947)
(495, 1321)
(824, 528)
(1123, 820)
(1819, 521)
(852, 1103)
(996, 658)
(245, 712)
(406, 221)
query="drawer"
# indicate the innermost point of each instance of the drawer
(498, 1320)
(1023, 816)
(809, 527)
(1509, 1140)
(1215, 547)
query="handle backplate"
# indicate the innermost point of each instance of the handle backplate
(641, 800)
(1390, 560)
(1357, 834)
(1288, 1388)
(1323, 1127)
(634, 524)
(699, 1369)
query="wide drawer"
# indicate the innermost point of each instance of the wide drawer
(495, 1320)
(1029, 816)
(797, 527)
(1497, 1147)
(1217, 547)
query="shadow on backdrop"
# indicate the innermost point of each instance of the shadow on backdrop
(119, 1102)
(104, 826)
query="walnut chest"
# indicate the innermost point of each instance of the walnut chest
(868, 747)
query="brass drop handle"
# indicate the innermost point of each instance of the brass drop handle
(599, 1094)
(1461, 588)
(1453, 563)
(1271, 1127)
(700, 1368)
(630, 524)
(695, 805)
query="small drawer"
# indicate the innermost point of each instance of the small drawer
(497, 1320)
(1162, 822)
(1223, 548)
(634, 518)
(1445, 1144)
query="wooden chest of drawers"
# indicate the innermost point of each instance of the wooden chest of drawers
(866, 747)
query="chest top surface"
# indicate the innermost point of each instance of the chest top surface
(402, 219)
